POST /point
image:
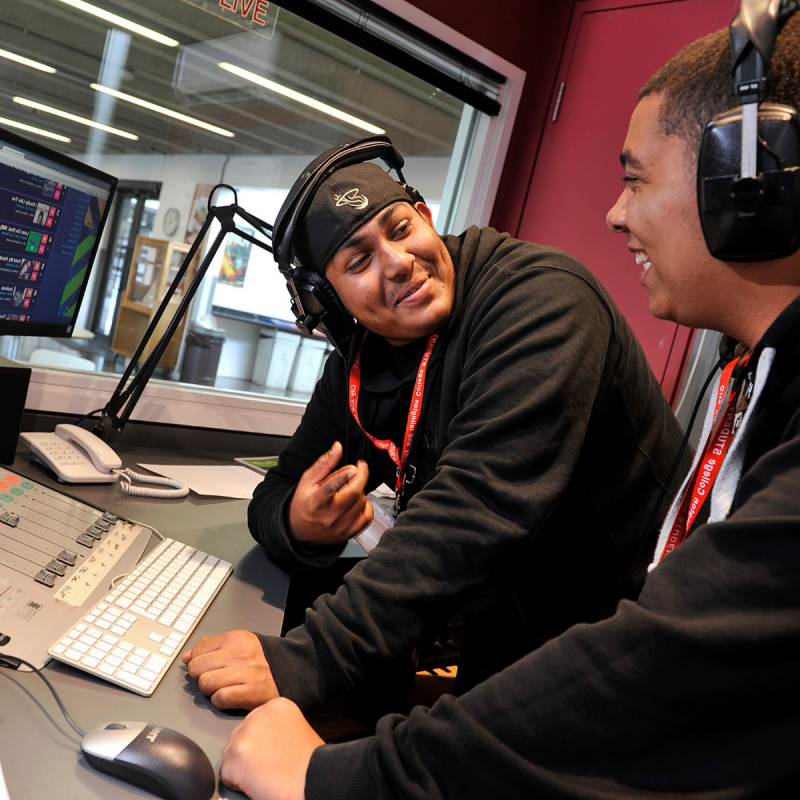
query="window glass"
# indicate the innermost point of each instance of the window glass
(177, 96)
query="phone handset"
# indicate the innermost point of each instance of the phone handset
(78, 456)
(96, 450)
(74, 454)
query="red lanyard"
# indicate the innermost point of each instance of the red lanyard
(399, 458)
(715, 448)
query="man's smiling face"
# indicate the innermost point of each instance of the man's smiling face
(657, 211)
(394, 274)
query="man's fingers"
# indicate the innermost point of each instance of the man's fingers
(324, 465)
(338, 480)
(350, 482)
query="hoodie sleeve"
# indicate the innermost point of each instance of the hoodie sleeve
(319, 428)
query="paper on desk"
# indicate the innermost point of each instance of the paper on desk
(227, 480)
(3, 787)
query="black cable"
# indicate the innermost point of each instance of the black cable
(90, 415)
(12, 662)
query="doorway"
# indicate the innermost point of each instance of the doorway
(135, 207)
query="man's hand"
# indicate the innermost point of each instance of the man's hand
(267, 755)
(232, 670)
(329, 507)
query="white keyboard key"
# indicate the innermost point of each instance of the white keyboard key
(168, 618)
(182, 626)
(156, 637)
(156, 663)
(115, 661)
(59, 648)
(147, 675)
(135, 680)
(107, 669)
(167, 651)
(90, 661)
(73, 654)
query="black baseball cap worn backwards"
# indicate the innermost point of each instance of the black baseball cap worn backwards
(344, 202)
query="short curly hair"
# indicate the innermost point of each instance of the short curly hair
(697, 83)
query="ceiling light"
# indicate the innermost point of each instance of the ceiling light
(26, 61)
(121, 22)
(300, 98)
(30, 129)
(74, 118)
(161, 110)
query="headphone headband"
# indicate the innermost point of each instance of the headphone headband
(314, 301)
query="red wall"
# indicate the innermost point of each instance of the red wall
(530, 34)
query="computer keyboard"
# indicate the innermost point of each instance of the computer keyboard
(134, 634)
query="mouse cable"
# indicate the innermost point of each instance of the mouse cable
(12, 662)
(668, 482)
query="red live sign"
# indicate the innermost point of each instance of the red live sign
(249, 9)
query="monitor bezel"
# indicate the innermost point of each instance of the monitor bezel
(58, 330)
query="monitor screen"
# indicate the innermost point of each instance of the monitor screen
(52, 212)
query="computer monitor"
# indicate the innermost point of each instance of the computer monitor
(52, 213)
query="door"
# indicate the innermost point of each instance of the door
(612, 49)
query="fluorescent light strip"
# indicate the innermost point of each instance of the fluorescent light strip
(300, 98)
(121, 22)
(74, 118)
(26, 61)
(30, 129)
(161, 110)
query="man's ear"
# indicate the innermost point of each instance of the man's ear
(424, 212)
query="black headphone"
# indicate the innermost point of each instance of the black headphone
(748, 171)
(315, 304)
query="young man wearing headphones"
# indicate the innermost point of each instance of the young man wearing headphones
(495, 385)
(692, 690)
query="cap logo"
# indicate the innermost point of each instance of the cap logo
(353, 198)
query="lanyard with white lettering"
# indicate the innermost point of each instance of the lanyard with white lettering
(715, 447)
(399, 458)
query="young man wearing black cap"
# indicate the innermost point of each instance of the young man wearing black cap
(541, 443)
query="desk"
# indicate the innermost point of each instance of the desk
(39, 751)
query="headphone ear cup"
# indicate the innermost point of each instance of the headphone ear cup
(320, 307)
(751, 219)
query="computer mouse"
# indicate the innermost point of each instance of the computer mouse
(152, 757)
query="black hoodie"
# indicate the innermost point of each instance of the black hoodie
(547, 442)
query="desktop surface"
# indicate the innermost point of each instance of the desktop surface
(40, 753)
